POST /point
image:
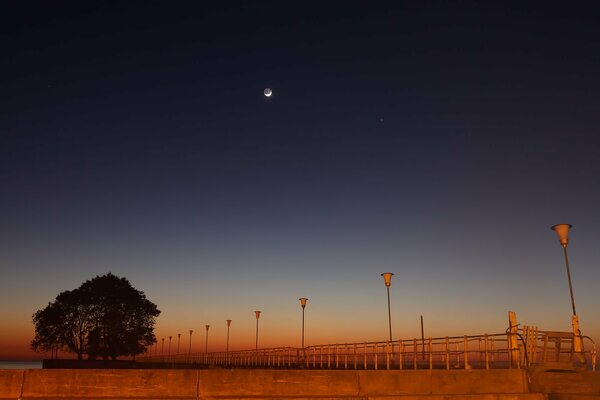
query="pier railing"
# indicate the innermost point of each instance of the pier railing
(527, 347)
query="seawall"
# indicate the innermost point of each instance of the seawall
(281, 384)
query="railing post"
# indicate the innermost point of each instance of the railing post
(321, 356)
(400, 353)
(414, 353)
(387, 355)
(365, 354)
(355, 358)
(447, 352)
(346, 356)
(487, 356)
(430, 353)
(512, 339)
(376, 358)
(466, 344)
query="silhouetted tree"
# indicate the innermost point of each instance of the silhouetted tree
(105, 317)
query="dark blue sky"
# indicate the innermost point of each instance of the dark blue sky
(438, 140)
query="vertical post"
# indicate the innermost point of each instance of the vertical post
(487, 356)
(346, 356)
(415, 353)
(303, 301)
(228, 325)
(387, 278)
(190, 348)
(400, 353)
(466, 345)
(512, 340)
(206, 342)
(178, 341)
(430, 353)
(387, 355)
(562, 230)
(422, 340)
(257, 313)
(170, 337)
(447, 352)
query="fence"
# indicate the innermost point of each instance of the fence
(527, 347)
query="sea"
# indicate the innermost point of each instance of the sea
(8, 364)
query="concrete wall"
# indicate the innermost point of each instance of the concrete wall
(216, 384)
(567, 383)
(11, 382)
(296, 384)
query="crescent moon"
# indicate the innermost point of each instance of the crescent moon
(268, 92)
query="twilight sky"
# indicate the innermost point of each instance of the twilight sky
(438, 140)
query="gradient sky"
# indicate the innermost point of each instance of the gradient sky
(438, 140)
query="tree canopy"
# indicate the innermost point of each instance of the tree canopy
(104, 318)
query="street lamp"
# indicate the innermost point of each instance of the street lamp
(228, 325)
(170, 337)
(562, 231)
(257, 313)
(206, 344)
(387, 278)
(303, 301)
(162, 349)
(178, 341)
(190, 348)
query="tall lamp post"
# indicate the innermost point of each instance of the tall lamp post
(170, 337)
(562, 231)
(178, 341)
(190, 348)
(387, 278)
(303, 301)
(228, 325)
(206, 343)
(257, 313)
(162, 349)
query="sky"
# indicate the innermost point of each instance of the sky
(438, 140)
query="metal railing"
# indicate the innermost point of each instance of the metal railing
(460, 352)
(530, 347)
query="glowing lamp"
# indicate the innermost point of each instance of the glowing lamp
(562, 231)
(303, 301)
(387, 278)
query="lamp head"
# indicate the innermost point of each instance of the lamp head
(387, 278)
(228, 322)
(562, 231)
(257, 314)
(207, 326)
(191, 331)
(303, 301)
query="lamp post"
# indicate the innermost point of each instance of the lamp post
(206, 344)
(387, 278)
(303, 301)
(228, 325)
(162, 349)
(170, 337)
(178, 341)
(190, 348)
(562, 231)
(257, 313)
